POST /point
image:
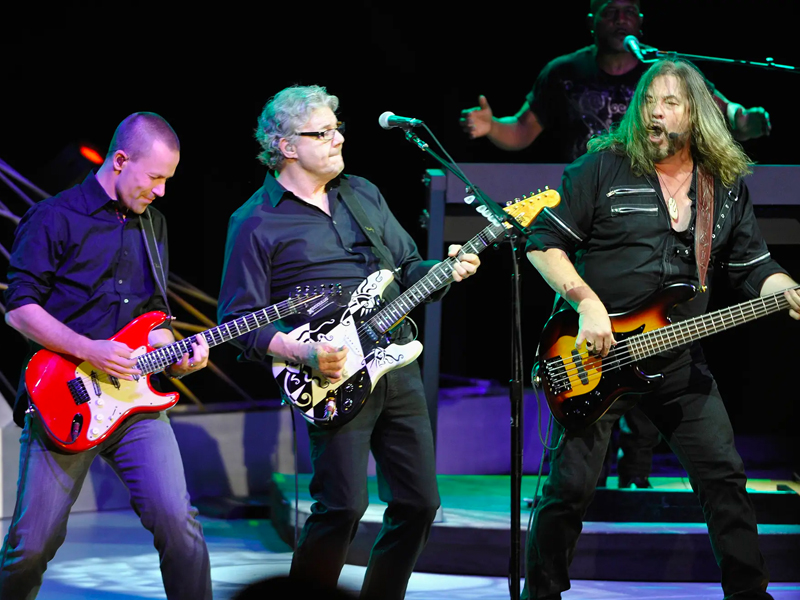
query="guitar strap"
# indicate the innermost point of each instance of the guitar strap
(157, 265)
(704, 224)
(354, 206)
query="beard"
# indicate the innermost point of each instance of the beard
(674, 145)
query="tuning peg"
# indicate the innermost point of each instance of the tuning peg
(539, 191)
(547, 187)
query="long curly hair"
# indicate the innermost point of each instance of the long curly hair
(712, 144)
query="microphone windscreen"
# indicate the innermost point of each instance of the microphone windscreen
(383, 120)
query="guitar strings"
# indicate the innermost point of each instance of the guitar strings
(652, 339)
(152, 358)
(486, 237)
(675, 335)
(649, 348)
(429, 278)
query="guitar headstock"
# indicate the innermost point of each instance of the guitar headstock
(525, 210)
(312, 300)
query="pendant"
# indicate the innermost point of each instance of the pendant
(672, 205)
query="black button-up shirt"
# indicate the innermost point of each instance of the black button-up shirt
(616, 226)
(277, 241)
(75, 257)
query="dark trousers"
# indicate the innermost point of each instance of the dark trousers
(637, 439)
(395, 425)
(689, 413)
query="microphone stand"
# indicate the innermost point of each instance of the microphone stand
(671, 55)
(516, 233)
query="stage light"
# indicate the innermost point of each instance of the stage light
(91, 155)
(70, 166)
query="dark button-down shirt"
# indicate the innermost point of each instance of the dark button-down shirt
(75, 257)
(277, 241)
(616, 225)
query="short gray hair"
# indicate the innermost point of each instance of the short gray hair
(283, 114)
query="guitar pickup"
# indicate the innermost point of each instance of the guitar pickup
(96, 384)
(370, 333)
(576, 358)
(78, 391)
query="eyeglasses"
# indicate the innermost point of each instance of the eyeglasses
(324, 135)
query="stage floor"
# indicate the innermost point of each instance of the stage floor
(109, 556)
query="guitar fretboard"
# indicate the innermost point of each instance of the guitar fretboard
(665, 338)
(159, 359)
(435, 279)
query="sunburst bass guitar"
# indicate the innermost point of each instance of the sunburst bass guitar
(581, 387)
(80, 406)
(364, 327)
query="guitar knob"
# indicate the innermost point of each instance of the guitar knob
(347, 404)
(95, 431)
(99, 417)
(100, 402)
(349, 387)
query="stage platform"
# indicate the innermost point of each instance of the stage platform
(636, 544)
(108, 555)
(629, 535)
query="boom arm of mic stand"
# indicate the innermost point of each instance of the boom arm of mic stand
(671, 55)
(492, 206)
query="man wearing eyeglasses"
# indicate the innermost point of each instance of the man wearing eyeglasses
(297, 229)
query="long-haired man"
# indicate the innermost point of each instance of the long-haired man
(630, 214)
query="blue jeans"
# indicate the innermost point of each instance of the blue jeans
(145, 455)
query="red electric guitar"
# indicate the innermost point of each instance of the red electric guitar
(80, 406)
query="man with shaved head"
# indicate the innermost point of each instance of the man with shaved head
(80, 270)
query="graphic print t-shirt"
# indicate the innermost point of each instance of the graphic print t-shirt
(575, 99)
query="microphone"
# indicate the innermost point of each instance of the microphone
(632, 45)
(388, 120)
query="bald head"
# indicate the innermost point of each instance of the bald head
(137, 132)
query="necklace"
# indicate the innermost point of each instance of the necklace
(672, 204)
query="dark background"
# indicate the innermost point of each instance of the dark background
(71, 74)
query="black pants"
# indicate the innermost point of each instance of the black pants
(637, 439)
(395, 425)
(689, 413)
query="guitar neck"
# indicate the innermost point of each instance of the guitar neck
(159, 359)
(678, 334)
(437, 278)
